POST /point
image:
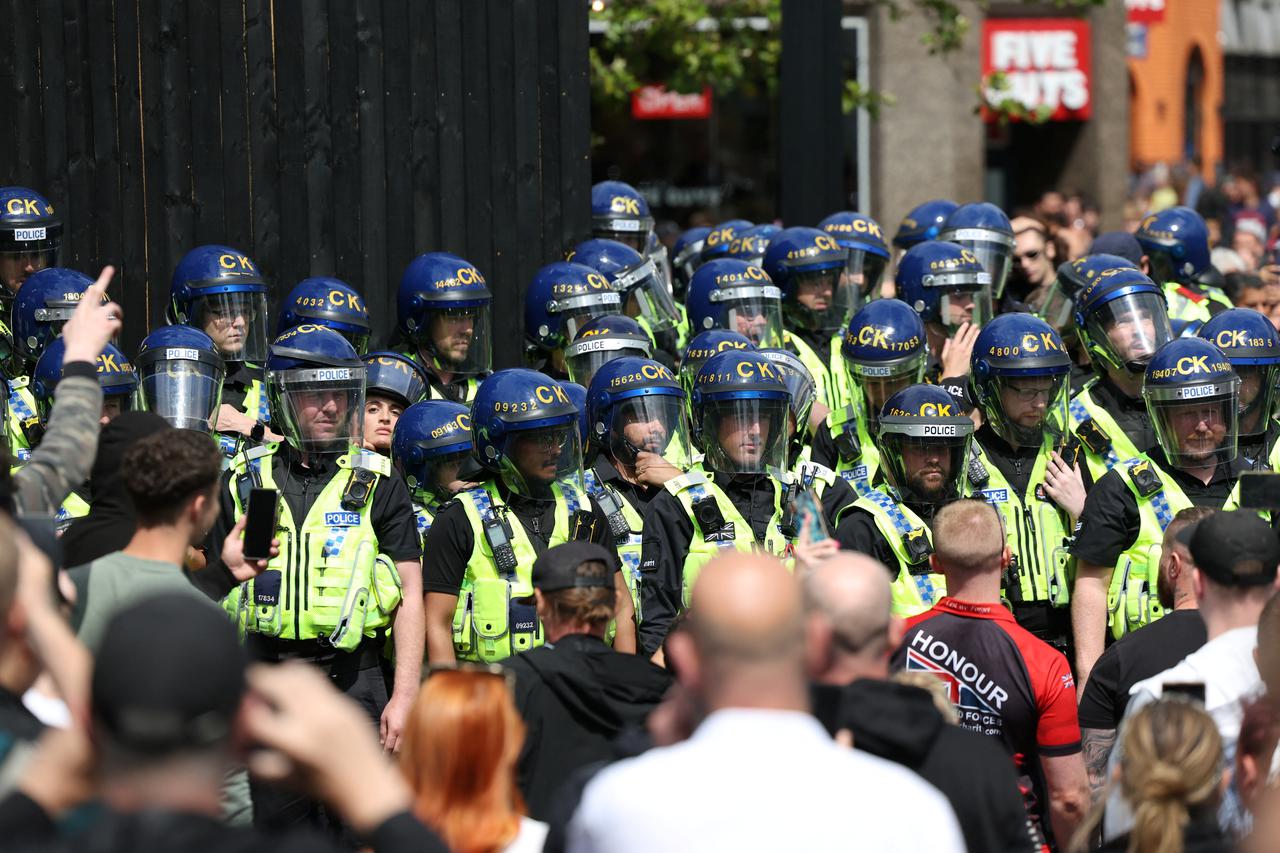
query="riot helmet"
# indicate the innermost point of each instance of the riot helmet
(946, 284)
(1176, 243)
(443, 308)
(923, 222)
(736, 296)
(717, 243)
(1122, 318)
(868, 254)
(315, 382)
(619, 212)
(219, 290)
(602, 339)
(42, 306)
(984, 230)
(327, 302)
(560, 300)
(430, 443)
(634, 406)
(884, 350)
(924, 444)
(812, 270)
(115, 377)
(180, 377)
(30, 237)
(1193, 399)
(741, 414)
(1019, 376)
(702, 347)
(1251, 344)
(751, 244)
(1073, 277)
(525, 429)
(645, 295)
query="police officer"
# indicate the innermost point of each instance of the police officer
(524, 430)
(735, 296)
(220, 291)
(432, 440)
(703, 346)
(735, 499)
(600, 341)
(1019, 376)
(180, 377)
(984, 230)
(819, 296)
(923, 222)
(645, 295)
(884, 352)
(562, 298)
(1251, 344)
(686, 257)
(868, 254)
(442, 313)
(349, 563)
(1058, 307)
(1120, 317)
(1176, 243)
(619, 212)
(30, 238)
(328, 302)
(1192, 396)
(720, 239)
(393, 383)
(924, 446)
(752, 243)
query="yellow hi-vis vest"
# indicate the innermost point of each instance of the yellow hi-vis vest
(825, 381)
(859, 457)
(328, 582)
(473, 385)
(255, 406)
(731, 531)
(626, 526)
(1188, 304)
(1103, 441)
(72, 508)
(22, 424)
(916, 588)
(1036, 531)
(491, 621)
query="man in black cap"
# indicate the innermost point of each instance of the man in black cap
(575, 693)
(166, 717)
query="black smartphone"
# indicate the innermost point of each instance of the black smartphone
(260, 526)
(1260, 490)
(1190, 689)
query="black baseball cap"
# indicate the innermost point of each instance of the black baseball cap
(561, 567)
(169, 675)
(1120, 243)
(1233, 548)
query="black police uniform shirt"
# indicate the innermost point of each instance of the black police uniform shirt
(451, 541)
(1129, 413)
(1255, 450)
(636, 494)
(236, 385)
(956, 386)
(1137, 656)
(1110, 522)
(858, 532)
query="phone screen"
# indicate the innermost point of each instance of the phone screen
(1260, 490)
(808, 515)
(260, 526)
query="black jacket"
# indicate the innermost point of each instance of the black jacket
(576, 697)
(900, 724)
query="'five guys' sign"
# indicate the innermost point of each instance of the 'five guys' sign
(1045, 61)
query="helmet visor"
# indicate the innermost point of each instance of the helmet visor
(321, 410)
(587, 356)
(1056, 307)
(1128, 330)
(755, 312)
(534, 459)
(745, 436)
(880, 382)
(436, 476)
(653, 424)
(662, 262)
(964, 304)
(993, 251)
(576, 311)
(17, 264)
(646, 295)
(237, 322)
(825, 299)
(1027, 410)
(458, 337)
(1196, 430)
(925, 470)
(864, 274)
(1257, 396)
(184, 393)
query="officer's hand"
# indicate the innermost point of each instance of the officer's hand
(391, 726)
(93, 324)
(1065, 485)
(653, 470)
(808, 553)
(233, 554)
(957, 350)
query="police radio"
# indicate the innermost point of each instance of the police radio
(707, 512)
(497, 532)
(847, 444)
(1093, 437)
(611, 505)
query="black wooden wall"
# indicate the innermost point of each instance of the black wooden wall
(323, 137)
(811, 119)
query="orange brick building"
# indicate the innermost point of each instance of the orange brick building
(1176, 89)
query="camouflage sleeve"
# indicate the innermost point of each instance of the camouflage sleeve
(65, 455)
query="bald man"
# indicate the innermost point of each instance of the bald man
(850, 637)
(735, 784)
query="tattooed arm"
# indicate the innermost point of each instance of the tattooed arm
(1096, 746)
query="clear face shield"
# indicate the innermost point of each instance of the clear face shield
(646, 295)
(237, 322)
(650, 424)
(459, 339)
(1197, 425)
(662, 263)
(1028, 410)
(926, 470)
(755, 312)
(321, 409)
(863, 276)
(535, 459)
(1057, 306)
(745, 436)
(686, 264)
(879, 382)
(576, 311)
(185, 392)
(825, 300)
(992, 249)
(437, 474)
(1130, 329)
(16, 265)
(964, 303)
(584, 357)
(1257, 396)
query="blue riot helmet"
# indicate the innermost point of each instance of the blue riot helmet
(702, 347)
(801, 388)
(924, 444)
(644, 293)
(1073, 277)
(812, 270)
(442, 307)
(1193, 399)
(984, 230)
(327, 302)
(619, 212)
(741, 414)
(315, 382)
(1186, 328)
(43, 304)
(686, 256)
(560, 300)
(30, 237)
(634, 406)
(430, 442)
(1122, 318)
(751, 244)
(395, 376)
(868, 253)
(1019, 376)
(884, 350)
(946, 284)
(115, 376)
(718, 241)
(733, 295)
(1250, 342)
(180, 377)
(526, 430)
(923, 222)
(602, 339)
(1176, 243)
(219, 291)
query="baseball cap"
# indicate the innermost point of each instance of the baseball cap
(1120, 243)
(169, 675)
(561, 567)
(1233, 548)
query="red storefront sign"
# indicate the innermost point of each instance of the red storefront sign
(655, 101)
(1046, 62)
(1144, 11)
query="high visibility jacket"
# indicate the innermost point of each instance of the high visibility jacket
(1192, 304)
(1103, 441)
(824, 373)
(72, 508)
(626, 526)
(859, 457)
(328, 582)
(256, 406)
(472, 386)
(22, 424)
(916, 588)
(495, 617)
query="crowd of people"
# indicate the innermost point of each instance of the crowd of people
(959, 538)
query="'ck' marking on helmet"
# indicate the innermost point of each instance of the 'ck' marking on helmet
(1032, 342)
(548, 394)
(236, 262)
(649, 371)
(859, 226)
(342, 299)
(107, 363)
(748, 369)
(24, 206)
(623, 204)
(462, 423)
(935, 410)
